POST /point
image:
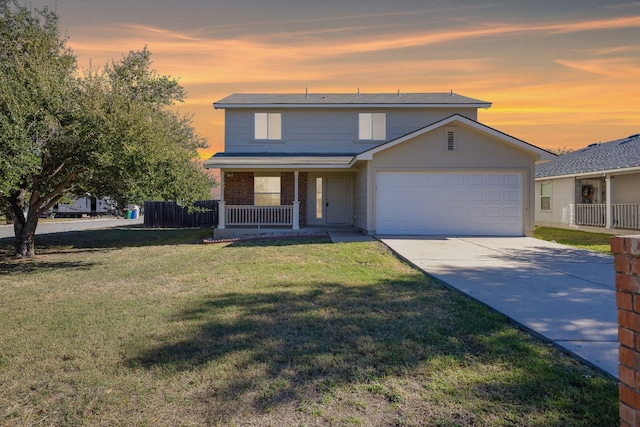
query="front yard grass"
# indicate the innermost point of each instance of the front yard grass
(598, 242)
(147, 327)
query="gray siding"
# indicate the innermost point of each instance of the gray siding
(562, 197)
(627, 189)
(326, 130)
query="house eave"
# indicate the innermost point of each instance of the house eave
(222, 106)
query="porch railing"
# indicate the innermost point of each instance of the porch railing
(259, 215)
(625, 216)
(594, 215)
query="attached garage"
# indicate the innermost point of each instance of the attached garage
(449, 203)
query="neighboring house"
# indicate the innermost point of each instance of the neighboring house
(410, 163)
(597, 186)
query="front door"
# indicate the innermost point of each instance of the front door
(336, 206)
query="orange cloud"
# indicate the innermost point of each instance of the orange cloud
(539, 104)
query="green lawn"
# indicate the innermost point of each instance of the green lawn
(598, 242)
(148, 327)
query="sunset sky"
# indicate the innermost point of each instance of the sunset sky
(562, 73)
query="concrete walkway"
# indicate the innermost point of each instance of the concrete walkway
(563, 294)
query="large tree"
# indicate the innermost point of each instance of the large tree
(63, 131)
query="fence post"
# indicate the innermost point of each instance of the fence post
(626, 250)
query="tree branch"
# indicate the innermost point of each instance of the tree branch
(56, 194)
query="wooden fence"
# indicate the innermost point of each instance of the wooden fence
(171, 215)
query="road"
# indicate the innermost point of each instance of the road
(64, 225)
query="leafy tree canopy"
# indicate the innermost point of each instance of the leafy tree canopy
(107, 132)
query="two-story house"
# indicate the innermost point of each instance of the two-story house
(400, 163)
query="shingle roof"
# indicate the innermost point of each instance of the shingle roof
(619, 154)
(239, 100)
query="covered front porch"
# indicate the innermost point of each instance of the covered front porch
(610, 202)
(260, 200)
(275, 193)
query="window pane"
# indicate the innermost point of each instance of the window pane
(545, 203)
(379, 126)
(275, 126)
(545, 189)
(364, 129)
(266, 184)
(261, 126)
(267, 199)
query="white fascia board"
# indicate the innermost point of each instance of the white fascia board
(620, 171)
(254, 106)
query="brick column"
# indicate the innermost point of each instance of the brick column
(626, 250)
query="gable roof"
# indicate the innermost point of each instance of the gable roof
(599, 157)
(433, 100)
(544, 155)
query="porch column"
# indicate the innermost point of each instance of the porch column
(296, 203)
(609, 201)
(221, 203)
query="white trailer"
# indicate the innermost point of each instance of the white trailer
(86, 205)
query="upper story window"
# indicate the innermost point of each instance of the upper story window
(372, 126)
(268, 126)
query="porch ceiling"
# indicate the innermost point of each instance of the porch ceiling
(279, 160)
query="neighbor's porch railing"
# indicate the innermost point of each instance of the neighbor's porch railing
(258, 215)
(625, 216)
(594, 215)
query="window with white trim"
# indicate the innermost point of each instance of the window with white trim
(451, 139)
(266, 190)
(545, 196)
(372, 126)
(268, 126)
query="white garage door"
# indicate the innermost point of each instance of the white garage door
(473, 204)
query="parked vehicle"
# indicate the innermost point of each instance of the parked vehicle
(87, 205)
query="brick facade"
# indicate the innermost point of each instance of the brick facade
(626, 252)
(238, 190)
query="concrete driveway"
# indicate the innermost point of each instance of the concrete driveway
(563, 294)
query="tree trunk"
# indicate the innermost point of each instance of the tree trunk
(25, 236)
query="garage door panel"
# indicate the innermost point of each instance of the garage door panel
(494, 179)
(449, 203)
(512, 179)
